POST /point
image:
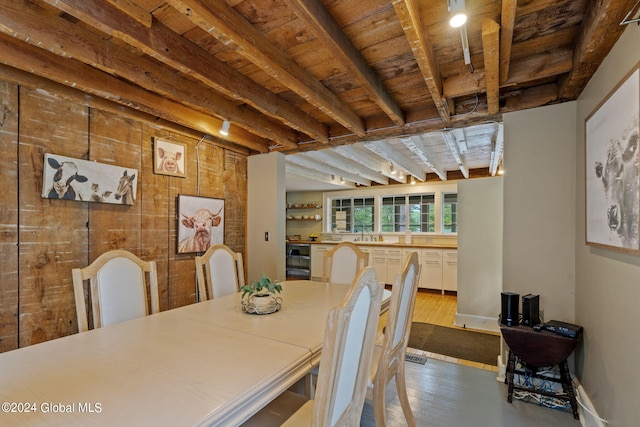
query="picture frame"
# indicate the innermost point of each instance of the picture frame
(612, 172)
(68, 178)
(169, 157)
(200, 223)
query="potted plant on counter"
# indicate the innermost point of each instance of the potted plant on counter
(259, 296)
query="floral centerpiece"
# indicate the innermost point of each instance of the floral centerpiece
(259, 296)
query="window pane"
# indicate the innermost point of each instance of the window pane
(450, 213)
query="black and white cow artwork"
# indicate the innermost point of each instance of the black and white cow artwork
(65, 174)
(619, 175)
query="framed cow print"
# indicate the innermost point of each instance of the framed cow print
(200, 223)
(612, 178)
(169, 157)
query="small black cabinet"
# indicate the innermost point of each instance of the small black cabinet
(298, 261)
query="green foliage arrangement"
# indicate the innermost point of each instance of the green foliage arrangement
(262, 286)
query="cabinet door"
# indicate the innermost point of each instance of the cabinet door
(431, 277)
(450, 270)
(379, 262)
(317, 257)
(394, 264)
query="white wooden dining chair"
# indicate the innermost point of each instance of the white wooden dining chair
(389, 358)
(219, 272)
(342, 263)
(345, 363)
(117, 289)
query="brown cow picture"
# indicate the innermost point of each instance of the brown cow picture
(200, 223)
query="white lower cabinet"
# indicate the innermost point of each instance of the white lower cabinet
(431, 276)
(450, 269)
(317, 257)
(394, 265)
(378, 259)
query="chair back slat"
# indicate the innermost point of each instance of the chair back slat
(219, 272)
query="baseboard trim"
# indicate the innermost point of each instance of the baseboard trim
(481, 323)
(588, 415)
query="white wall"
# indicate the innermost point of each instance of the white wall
(480, 205)
(266, 213)
(539, 209)
(607, 283)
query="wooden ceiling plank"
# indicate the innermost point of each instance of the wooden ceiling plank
(316, 16)
(307, 160)
(335, 159)
(599, 31)
(134, 11)
(506, 36)
(224, 23)
(525, 70)
(409, 14)
(60, 36)
(160, 42)
(71, 72)
(491, 49)
(417, 147)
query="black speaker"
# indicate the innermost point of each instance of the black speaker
(510, 306)
(530, 310)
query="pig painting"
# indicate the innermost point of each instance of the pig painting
(169, 158)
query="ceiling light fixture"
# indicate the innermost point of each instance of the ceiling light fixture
(392, 169)
(458, 15)
(224, 130)
(413, 180)
(333, 177)
(341, 180)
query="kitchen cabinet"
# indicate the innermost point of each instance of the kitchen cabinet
(431, 276)
(317, 257)
(450, 269)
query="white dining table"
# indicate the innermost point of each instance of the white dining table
(203, 364)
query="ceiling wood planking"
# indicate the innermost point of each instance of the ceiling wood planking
(506, 36)
(56, 68)
(320, 74)
(160, 42)
(227, 25)
(313, 13)
(58, 35)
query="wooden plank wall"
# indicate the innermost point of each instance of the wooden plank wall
(42, 240)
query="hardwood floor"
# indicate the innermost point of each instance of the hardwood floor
(448, 392)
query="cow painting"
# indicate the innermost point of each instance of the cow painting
(200, 230)
(69, 178)
(65, 174)
(619, 176)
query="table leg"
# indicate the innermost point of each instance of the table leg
(511, 369)
(567, 386)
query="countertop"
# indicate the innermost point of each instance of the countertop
(382, 244)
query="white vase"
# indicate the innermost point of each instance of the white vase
(261, 300)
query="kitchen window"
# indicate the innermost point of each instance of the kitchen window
(415, 211)
(450, 213)
(353, 214)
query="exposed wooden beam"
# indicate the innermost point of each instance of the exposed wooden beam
(491, 49)
(71, 72)
(528, 69)
(176, 51)
(315, 175)
(58, 35)
(223, 22)
(401, 161)
(133, 10)
(450, 138)
(306, 160)
(366, 158)
(506, 36)
(409, 14)
(600, 30)
(333, 158)
(316, 17)
(496, 150)
(416, 145)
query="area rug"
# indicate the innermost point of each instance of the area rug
(459, 343)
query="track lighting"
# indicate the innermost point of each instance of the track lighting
(224, 130)
(413, 180)
(458, 15)
(392, 169)
(341, 180)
